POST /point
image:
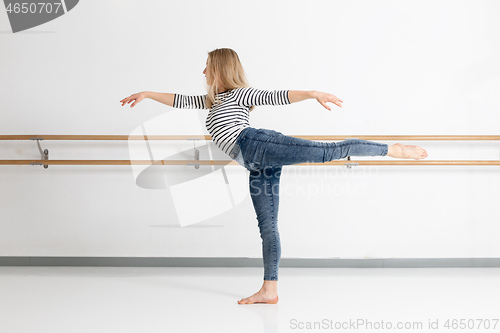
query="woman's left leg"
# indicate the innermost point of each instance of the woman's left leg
(264, 191)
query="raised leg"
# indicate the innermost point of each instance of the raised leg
(272, 148)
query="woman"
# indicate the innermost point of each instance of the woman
(263, 152)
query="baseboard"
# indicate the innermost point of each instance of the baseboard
(249, 262)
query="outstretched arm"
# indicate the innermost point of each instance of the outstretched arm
(299, 95)
(165, 98)
(175, 100)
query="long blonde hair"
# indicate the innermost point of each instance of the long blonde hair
(224, 68)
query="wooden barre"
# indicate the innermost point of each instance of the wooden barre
(231, 162)
(208, 137)
(46, 162)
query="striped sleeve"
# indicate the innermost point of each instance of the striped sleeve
(250, 96)
(190, 102)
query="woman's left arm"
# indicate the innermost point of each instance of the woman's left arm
(299, 95)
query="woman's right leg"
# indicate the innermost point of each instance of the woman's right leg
(264, 147)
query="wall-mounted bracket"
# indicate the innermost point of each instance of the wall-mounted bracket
(196, 153)
(349, 165)
(44, 155)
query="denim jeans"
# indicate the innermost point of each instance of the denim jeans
(264, 152)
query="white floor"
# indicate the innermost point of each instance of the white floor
(121, 299)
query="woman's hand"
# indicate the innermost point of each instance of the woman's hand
(136, 98)
(322, 98)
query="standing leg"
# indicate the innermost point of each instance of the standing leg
(264, 190)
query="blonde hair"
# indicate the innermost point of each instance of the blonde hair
(224, 68)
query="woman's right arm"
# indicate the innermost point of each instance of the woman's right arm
(165, 98)
(175, 100)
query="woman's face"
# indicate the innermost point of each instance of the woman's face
(205, 72)
(208, 76)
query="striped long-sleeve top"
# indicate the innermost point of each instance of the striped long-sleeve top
(227, 119)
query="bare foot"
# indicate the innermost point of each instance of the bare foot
(399, 150)
(268, 293)
(260, 297)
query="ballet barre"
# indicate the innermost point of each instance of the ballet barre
(44, 159)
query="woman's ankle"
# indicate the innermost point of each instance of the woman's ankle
(394, 150)
(270, 286)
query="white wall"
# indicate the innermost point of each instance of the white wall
(401, 67)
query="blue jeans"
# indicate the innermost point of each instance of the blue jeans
(264, 152)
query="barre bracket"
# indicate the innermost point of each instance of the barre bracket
(350, 165)
(44, 155)
(196, 153)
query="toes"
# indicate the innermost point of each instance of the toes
(244, 301)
